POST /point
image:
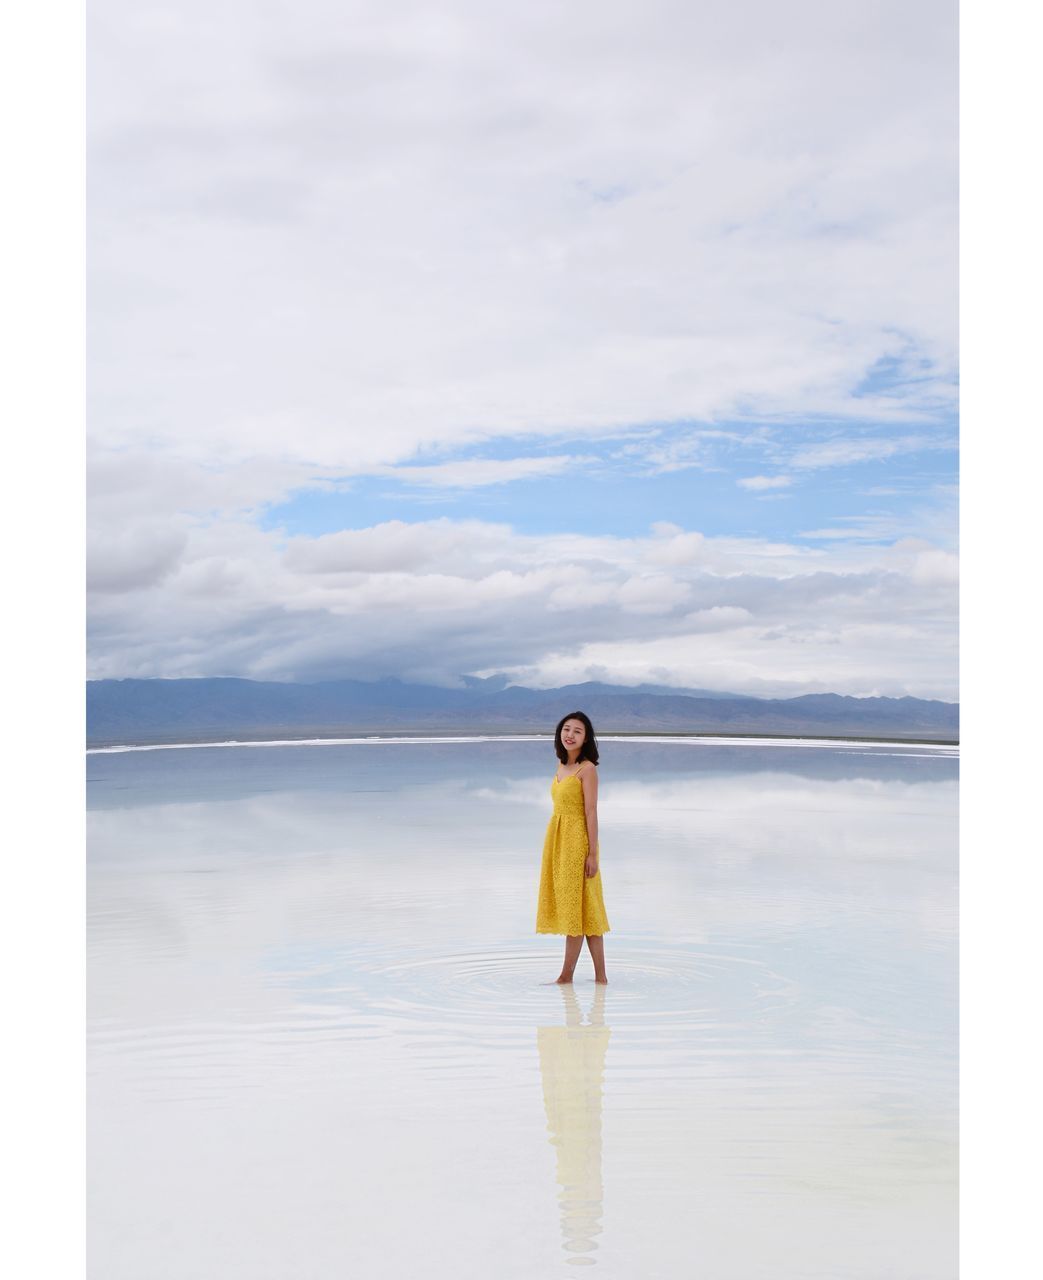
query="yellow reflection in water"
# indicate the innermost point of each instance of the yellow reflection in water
(572, 1065)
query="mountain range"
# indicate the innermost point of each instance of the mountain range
(156, 711)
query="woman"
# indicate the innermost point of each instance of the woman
(570, 900)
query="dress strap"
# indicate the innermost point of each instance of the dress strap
(569, 775)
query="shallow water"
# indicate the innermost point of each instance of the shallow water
(320, 1043)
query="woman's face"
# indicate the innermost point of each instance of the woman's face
(573, 734)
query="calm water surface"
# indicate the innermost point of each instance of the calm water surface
(320, 1043)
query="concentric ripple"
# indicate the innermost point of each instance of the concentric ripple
(494, 992)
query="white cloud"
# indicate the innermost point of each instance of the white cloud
(765, 482)
(390, 547)
(141, 483)
(881, 659)
(924, 563)
(653, 455)
(845, 451)
(339, 239)
(576, 595)
(653, 593)
(332, 233)
(134, 558)
(935, 521)
(440, 598)
(477, 472)
(864, 531)
(718, 618)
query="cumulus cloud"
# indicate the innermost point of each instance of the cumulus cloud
(138, 481)
(391, 546)
(338, 239)
(438, 599)
(133, 558)
(870, 659)
(653, 593)
(924, 563)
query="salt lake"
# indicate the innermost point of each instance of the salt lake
(321, 1043)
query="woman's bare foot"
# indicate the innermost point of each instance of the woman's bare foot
(573, 946)
(596, 947)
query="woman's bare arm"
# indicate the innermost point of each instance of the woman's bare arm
(589, 781)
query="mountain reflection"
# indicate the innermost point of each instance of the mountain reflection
(572, 1066)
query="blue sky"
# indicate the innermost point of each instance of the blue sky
(607, 486)
(614, 340)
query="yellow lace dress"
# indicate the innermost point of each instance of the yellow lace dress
(569, 902)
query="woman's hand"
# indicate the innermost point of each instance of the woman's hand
(591, 866)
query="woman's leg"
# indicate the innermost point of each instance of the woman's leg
(596, 947)
(573, 946)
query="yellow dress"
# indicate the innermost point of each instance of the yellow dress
(569, 901)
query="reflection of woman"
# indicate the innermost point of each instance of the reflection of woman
(572, 1068)
(570, 899)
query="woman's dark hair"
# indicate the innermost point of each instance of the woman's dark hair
(589, 750)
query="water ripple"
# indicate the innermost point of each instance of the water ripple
(503, 990)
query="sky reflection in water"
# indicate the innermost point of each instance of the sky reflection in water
(320, 1039)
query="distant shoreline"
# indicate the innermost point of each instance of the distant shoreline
(101, 747)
